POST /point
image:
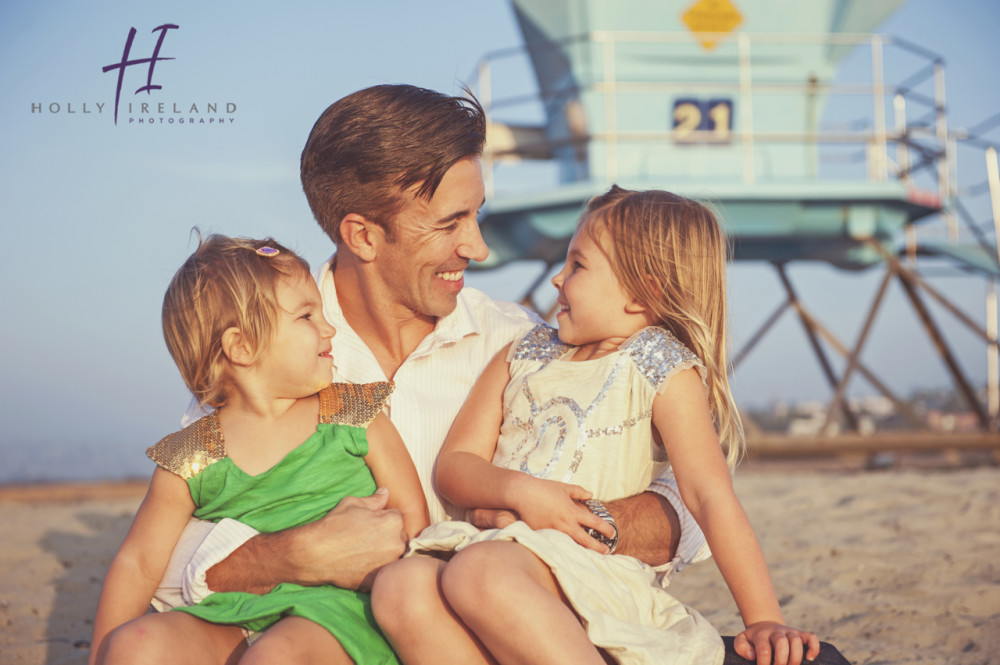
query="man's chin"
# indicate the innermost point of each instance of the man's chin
(442, 306)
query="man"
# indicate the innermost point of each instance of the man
(393, 177)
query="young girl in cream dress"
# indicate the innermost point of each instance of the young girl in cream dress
(633, 379)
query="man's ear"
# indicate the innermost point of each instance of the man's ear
(360, 236)
(236, 347)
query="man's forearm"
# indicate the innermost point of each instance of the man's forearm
(257, 566)
(648, 528)
(345, 548)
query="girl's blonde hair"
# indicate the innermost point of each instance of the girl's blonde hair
(669, 254)
(225, 283)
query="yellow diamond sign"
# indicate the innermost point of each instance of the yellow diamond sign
(708, 19)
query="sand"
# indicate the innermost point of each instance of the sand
(897, 567)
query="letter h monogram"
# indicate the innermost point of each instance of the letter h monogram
(125, 62)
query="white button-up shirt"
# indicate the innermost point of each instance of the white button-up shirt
(434, 380)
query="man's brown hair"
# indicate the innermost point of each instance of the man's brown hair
(367, 149)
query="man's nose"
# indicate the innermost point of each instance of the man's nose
(473, 247)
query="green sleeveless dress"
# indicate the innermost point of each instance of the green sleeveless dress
(301, 488)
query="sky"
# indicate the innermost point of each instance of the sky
(97, 215)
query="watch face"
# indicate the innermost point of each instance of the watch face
(604, 540)
(598, 508)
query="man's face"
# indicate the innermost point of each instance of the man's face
(423, 267)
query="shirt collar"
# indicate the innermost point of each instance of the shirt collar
(456, 325)
(328, 291)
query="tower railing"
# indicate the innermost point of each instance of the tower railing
(897, 131)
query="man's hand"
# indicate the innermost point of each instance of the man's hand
(490, 518)
(648, 526)
(345, 548)
(352, 542)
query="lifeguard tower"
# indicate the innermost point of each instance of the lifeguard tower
(722, 99)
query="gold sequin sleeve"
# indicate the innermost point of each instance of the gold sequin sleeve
(189, 451)
(354, 404)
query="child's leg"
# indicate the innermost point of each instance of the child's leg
(408, 606)
(172, 637)
(296, 640)
(511, 601)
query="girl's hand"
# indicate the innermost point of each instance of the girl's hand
(763, 638)
(548, 504)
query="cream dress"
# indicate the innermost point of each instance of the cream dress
(589, 423)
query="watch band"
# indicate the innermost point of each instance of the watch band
(599, 509)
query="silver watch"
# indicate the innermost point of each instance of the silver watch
(601, 511)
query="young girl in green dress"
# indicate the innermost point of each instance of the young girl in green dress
(244, 323)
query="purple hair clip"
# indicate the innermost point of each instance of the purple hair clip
(267, 252)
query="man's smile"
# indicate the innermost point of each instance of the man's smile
(451, 275)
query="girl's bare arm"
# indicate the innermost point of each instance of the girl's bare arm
(681, 416)
(465, 474)
(142, 558)
(393, 469)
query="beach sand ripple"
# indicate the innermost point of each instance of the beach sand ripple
(897, 567)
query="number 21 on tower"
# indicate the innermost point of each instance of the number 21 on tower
(697, 120)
